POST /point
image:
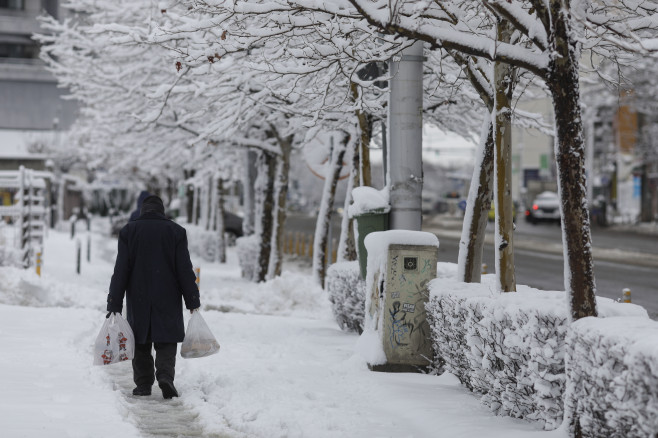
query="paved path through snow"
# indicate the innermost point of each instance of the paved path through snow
(154, 416)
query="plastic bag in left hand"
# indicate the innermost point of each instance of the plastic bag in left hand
(115, 343)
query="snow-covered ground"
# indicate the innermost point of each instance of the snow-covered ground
(284, 368)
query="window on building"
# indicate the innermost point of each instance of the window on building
(12, 4)
(13, 50)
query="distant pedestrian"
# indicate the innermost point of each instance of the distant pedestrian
(154, 271)
(140, 199)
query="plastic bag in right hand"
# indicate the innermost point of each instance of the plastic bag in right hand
(199, 340)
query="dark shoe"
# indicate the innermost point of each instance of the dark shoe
(168, 389)
(142, 390)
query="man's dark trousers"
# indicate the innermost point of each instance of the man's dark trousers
(165, 362)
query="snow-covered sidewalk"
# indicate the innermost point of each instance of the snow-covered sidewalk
(284, 369)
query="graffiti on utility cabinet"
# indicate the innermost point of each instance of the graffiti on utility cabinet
(401, 329)
(408, 324)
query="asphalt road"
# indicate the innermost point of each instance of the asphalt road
(622, 259)
(546, 271)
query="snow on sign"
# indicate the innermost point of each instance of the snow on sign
(317, 154)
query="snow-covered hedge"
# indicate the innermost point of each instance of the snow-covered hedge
(612, 377)
(508, 348)
(347, 293)
(9, 255)
(202, 242)
(248, 248)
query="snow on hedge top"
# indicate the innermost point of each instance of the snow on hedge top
(528, 298)
(367, 199)
(638, 335)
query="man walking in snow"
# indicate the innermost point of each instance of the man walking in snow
(153, 269)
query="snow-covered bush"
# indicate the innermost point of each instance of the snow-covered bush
(248, 248)
(202, 242)
(9, 255)
(612, 377)
(347, 293)
(509, 348)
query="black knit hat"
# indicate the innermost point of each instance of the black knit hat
(152, 204)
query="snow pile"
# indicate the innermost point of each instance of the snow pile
(286, 295)
(22, 287)
(507, 347)
(247, 248)
(612, 375)
(367, 200)
(347, 293)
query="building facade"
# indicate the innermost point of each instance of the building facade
(29, 97)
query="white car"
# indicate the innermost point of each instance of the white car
(545, 208)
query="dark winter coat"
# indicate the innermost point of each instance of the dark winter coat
(154, 270)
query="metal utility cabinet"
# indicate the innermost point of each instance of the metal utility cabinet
(398, 304)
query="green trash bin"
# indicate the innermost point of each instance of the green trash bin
(376, 220)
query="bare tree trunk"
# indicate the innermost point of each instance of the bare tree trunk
(282, 177)
(478, 205)
(563, 81)
(195, 205)
(326, 206)
(365, 129)
(214, 199)
(203, 204)
(504, 243)
(208, 215)
(248, 189)
(267, 164)
(221, 240)
(189, 197)
(346, 242)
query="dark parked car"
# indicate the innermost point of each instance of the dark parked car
(232, 227)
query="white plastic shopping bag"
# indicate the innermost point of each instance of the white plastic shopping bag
(115, 342)
(199, 340)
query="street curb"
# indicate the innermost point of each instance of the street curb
(604, 254)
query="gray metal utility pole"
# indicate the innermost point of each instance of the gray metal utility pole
(405, 134)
